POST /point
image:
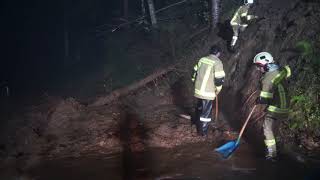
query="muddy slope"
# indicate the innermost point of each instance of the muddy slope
(283, 25)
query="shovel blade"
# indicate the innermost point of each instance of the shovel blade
(227, 149)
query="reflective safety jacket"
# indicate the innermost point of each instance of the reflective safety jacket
(208, 76)
(241, 16)
(274, 92)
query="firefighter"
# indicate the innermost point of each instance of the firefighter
(208, 78)
(239, 21)
(274, 95)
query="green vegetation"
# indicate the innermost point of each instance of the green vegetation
(305, 48)
(305, 96)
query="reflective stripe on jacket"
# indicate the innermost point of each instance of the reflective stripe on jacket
(273, 90)
(240, 14)
(207, 69)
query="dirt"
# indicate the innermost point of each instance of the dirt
(66, 128)
(277, 32)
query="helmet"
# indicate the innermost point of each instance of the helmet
(215, 49)
(248, 2)
(263, 58)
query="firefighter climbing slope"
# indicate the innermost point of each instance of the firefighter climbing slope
(208, 78)
(240, 20)
(274, 95)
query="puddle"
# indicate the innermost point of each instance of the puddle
(189, 162)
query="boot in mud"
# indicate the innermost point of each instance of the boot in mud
(233, 44)
(271, 154)
(203, 128)
(232, 49)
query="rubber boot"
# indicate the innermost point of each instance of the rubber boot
(203, 128)
(233, 42)
(271, 153)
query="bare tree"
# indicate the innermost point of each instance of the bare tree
(65, 33)
(143, 8)
(215, 12)
(152, 14)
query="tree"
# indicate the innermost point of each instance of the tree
(65, 33)
(215, 12)
(152, 14)
(143, 8)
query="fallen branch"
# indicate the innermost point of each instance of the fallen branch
(126, 90)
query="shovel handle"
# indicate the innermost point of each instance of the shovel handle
(245, 124)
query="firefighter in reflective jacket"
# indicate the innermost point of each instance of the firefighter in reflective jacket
(239, 19)
(273, 94)
(208, 77)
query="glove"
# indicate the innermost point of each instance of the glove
(218, 89)
(243, 27)
(261, 100)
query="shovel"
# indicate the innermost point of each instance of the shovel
(227, 149)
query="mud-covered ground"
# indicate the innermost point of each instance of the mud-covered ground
(195, 161)
(64, 128)
(282, 26)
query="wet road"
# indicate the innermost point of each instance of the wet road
(194, 161)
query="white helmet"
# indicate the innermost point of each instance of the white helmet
(263, 58)
(248, 2)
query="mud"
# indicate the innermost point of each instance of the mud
(191, 161)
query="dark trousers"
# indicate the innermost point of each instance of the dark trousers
(203, 115)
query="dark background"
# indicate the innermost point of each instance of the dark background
(32, 40)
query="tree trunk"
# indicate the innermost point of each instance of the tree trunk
(152, 14)
(125, 9)
(126, 90)
(143, 8)
(65, 34)
(215, 12)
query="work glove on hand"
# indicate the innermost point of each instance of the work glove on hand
(260, 100)
(243, 27)
(218, 89)
(263, 105)
(257, 19)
